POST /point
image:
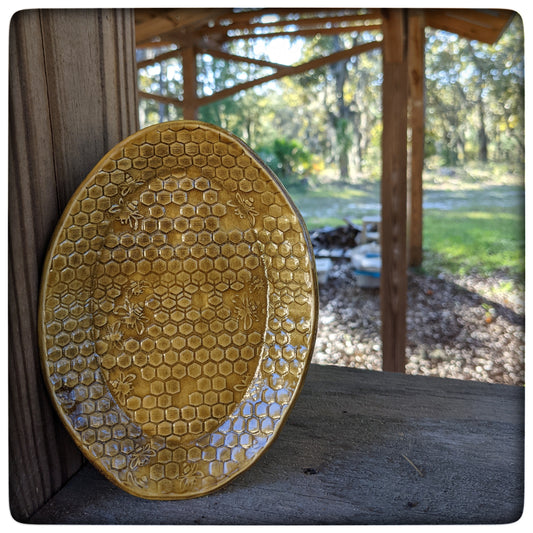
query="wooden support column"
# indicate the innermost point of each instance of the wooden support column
(393, 290)
(72, 97)
(190, 98)
(416, 65)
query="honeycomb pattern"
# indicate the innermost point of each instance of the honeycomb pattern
(178, 312)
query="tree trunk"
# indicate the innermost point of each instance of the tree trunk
(482, 134)
(341, 119)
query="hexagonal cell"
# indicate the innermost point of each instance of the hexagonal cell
(225, 368)
(133, 403)
(226, 396)
(237, 175)
(172, 386)
(194, 370)
(180, 427)
(245, 186)
(267, 198)
(219, 410)
(163, 372)
(157, 472)
(239, 339)
(139, 163)
(177, 149)
(177, 343)
(219, 383)
(157, 415)
(196, 398)
(124, 361)
(148, 373)
(88, 205)
(236, 263)
(190, 265)
(206, 147)
(179, 371)
(219, 210)
(164, 429)
(197, 251)
(154, 331)
(204, 384)
(88, 436)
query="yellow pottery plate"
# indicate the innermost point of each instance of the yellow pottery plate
(178, 311)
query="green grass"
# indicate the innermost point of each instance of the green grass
(329, 205)
(480, 242)
(473, 223)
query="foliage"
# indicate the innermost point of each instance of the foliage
(288, 159)
(323, 127)
(475, 97)
(474, 100)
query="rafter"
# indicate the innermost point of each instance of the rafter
(173, 19)
(306, 32)
(214, 52)
(250, 15)
(157, 59)
(302, 21)
(174, 100)
(281, 73)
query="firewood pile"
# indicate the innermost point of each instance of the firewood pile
(335, 242)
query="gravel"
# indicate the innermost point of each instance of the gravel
(456, 327)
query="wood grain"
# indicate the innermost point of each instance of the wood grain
(71, 98)
(393, 289)
(346, 456)
(416, 67)
(190, 99)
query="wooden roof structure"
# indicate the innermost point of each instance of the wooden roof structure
(400, 34)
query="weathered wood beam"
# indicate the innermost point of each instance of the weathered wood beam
(174, 19)
(290, 71)
(302, 21)
(157, 59)
(71, 99)
(489, 18)
(282, 72)
(214, 52)
(154, 26)
(416, 67)
(173, 100)
(190, 98)
(252, 14)
(306, 32)
(443, 20)
(393, 290)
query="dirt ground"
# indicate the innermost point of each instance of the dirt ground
(453, 329)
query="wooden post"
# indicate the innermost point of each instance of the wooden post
(72, 96)
(190, 98)
(416, 65)
(394, 191)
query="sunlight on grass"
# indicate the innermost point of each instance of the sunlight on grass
(474, 242)
(473, 219)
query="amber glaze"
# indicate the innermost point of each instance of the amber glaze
(178, 311)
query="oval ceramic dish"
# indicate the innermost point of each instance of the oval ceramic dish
(178, 311)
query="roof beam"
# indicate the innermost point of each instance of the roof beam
(469, 23)
(303, 21)
(281, 73)
(157, 59)
(214, 52)
(306, 32)
(290, 71)
(174, 19)
(174, 100)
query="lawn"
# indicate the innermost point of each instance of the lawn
(473, 217)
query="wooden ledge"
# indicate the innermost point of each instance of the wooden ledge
(359, 447)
